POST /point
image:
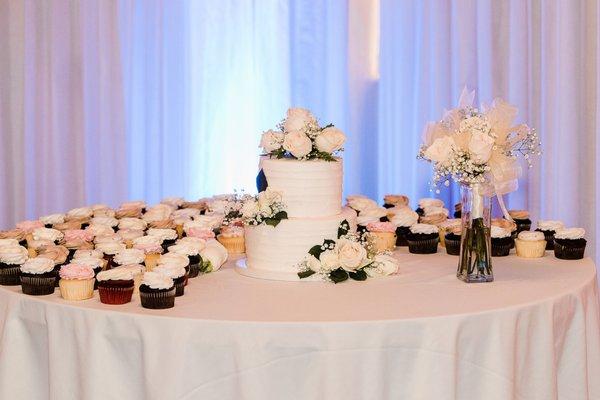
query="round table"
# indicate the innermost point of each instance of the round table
(533, 333)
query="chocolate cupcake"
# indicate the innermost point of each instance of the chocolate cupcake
(110, 249)
(569, 244)
(428, 202)
(395, 200)
(115, 286)
(502, 241)
(452, 240)
(157, 291)
(179, 276)
(38, 277)
(189, 250)
(50, 220)
(12, 256)
(166, 237)
(549, 228)
(521, 218)
(423, 239)
(403, 219)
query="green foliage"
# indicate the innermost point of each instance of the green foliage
(305, 274)
(338, 275)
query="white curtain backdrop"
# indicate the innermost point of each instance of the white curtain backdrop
(106, 100)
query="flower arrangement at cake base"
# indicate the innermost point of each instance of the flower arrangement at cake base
(346, 258)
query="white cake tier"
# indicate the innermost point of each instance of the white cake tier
(310, 188)
(274, 252)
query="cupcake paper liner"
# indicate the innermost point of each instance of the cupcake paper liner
(383, 241)
(425, 246)
(37, 285)
(158, 300)
(564, 252)
(549, 236)
(531, 249)
(234, 245)
(401, 233)
(9, 276)
(452, 246)
(501, 250)
(115, 295)
(76, 289)
(194, 270)
(180, 288)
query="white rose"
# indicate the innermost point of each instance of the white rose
(271, 140)
(330, 140)
(269, 196)
(480, 146)
(250, 208)
(215, 253)
(386, 264)
(441, 149)
(329, 261)
(351, 254)
(360, 203)
(314, 264)
(297, 119)
(297, 143)
(220, 206)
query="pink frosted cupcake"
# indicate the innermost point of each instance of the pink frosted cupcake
(76, 282)
(151, 248)
(232, 237)
(382, 235)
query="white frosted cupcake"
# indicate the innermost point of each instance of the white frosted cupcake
(151, 247)
(157, 291)
(403, 219)
(11, 259)
(530, 244)
(423, 239)
(38, 276)
(50, 220)
(179, 276)
(549, 228)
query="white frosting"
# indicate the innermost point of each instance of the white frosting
(159, 212)
(100, 230)
(434, 210)
(130, 234)
(570, 233)
(50, 234)
(174, 260)
(81, 212)
(37, 265)
(424, 229)
(9, 242)
(53, 219)
(310, 189)
(187, 249)
(186, 213)
(108, 221)
(92, 262)
(361, 203)
(110, 248)
(197, 242)
(405, 217)
(450, 223)
(531, 236)
(115, 274)
(276, 251)
(135, 269)
(173, 201)
(208, 221)
(129, 256)
(108, 238)
(499, 233)
(147, 240)
(430, 202)
(171, 272)
(157, 280)
(88, 253)
(13, 255)
(132, 223)
(549, 225)
(163, 234)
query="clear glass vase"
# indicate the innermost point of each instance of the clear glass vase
(475, 261)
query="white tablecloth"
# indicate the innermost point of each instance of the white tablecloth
(532, 334)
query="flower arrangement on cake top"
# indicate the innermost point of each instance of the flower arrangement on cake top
(347, 257)
(301, 137)
(265, 208)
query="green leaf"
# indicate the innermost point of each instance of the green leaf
(206, 267)
(338, 275)
(358, 275)
(272, 221)
(327, 126)
(343, 229)
(281, 215)
(315, 251)
(305, 274)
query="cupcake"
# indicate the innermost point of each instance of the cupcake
(200, 233)
(199, 205)
(549, 228)
(67, 225)
(99, 230)
(94, 263)
(11, 259)
(132, 223)
(530, 244)
(75, 239)
(9, 242)
(506, 224)
(521, 218)
(446, 227)
(16, 234)
(178, 275)
(382, 235)
(395, 200)
(49, 234)
(150, 246)
(360, 203)
(428, 202)
(166, 237)
(502, 241)
(110, 249)
(129, 235)
(111, 222)
(232, 237)
(50, 220)
(159, 216)
(157, 291)
(129, 256)
(423, 239)
(27, 227)
(81, 215)
(569, 244)
(174, 202)
(76, 282)
(370, 215)
(403, 219)
(38, 277)
(102, 210)
(115, 286)
(138, 271)
(130, 210)
(452, 238)
(213, 256)
(34, 247)
(83, 253)
(174, 260)
(434, 215)
(58, 255)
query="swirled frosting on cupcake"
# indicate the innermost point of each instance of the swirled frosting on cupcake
(360, 203)
(37, 266)
(381, 227)
(157, 280)
(80, 213)
(163, 234)
(108, 238)
(49, 234)
(132, 223)
(135, 269)
(504, 223)
(424, 229)
(212, 221)
(130, 234)
(133, 204)
(174, 260)
(102, 210)
(196, 242)
(75, 271)
(170, 271)
(13, 255)
(372, 214)
(434, 215)
(88, 253)
(186, 213)
(148, 244)
(29, 226)
(396, 199)
(570, 233)
(115, 274)
(185, 249)
(58, 254)
(77, 235)
(450, 223)
(430, 202)
(9, 242)
(99, 230)
(159, 212)
(549, 225)
(108, 221)
(110, 248)
(12, 234)
(232, 231)
(531, 236)
(518, 214)
(90, 262)
(201, 233)
(52, 219)
(405, 218)
(499, 233)
(129, 256)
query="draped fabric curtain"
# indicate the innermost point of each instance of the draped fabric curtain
(101, 101)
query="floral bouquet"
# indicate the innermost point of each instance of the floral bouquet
(346, 257)
(265, 208)
(299, 136)
(229, 205)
